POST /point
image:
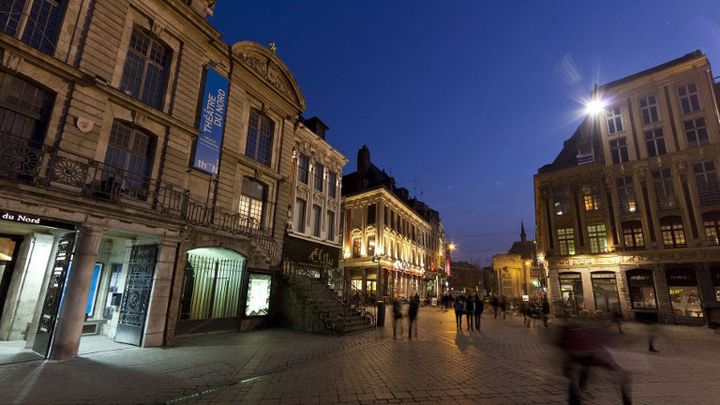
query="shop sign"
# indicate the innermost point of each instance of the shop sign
(302, 251)
(211, 123)
(569, 276)
(33, 220)
(681, 277)
(640, 278)
(603, 275)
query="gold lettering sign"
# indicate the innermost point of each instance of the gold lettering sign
(320, 256)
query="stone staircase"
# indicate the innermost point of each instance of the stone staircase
(326, 303)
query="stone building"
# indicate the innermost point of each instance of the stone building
(387, 244)
(514, 270)
(628, 214)
(143, 161)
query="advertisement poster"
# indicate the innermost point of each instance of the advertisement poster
(211, 123)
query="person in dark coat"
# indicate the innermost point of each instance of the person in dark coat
(495, 304)
(397, 317)
(503, 305)
(469, 311)
(459, 308)
(479, 308)
(545, 311)
(412, 315)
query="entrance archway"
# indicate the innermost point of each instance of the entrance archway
(211, 299)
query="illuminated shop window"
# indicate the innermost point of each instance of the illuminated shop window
(258, 295)
(641, 287)
(605, 292)
(571, 290)
(684, 294)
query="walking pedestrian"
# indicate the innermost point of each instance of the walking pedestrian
(503, 305)
(479, 307)
(412, 315)
(524, 309)
(459, 306)
(397, 317)
(495, 304)
(545, 311)
(469, 311)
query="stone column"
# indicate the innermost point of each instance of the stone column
(160, 296)
(77, 287)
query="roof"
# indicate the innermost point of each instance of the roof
(585, 139)
(697, 54)
(526, 249)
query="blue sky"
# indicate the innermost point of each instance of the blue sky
(466, 98)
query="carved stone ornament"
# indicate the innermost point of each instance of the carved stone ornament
(84, 124)
(681, 166)
(156, 28)
(270, 73)
(11, 61)
(137, 117)
(641, 173)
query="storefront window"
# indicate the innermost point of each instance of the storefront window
(605, 292)
(642, 289)
(715, 273)
(684, 294)
(572, 292)
(92, 295)
(258, 296)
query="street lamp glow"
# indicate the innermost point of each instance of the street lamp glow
(452, 247)
(594, 107)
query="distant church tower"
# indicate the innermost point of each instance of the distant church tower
(523, 235)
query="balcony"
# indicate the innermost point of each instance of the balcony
(68, 172)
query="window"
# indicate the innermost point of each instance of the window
(260, 138)
(649, 110)
(689, 101)
(642, 289)
(626, 195)
(614, 120)
(707, 182)
(371, 245)
(317, 220)
(591, 197)
(684, 294)
(252, 202)
(371, 214)
(618, 150)
(319, 176)
(332, 184)
(129, 158)
(566, 241)
(664, 191)
(24, 109)
(41, 24)
(303, 168)
(655, 142)
(571, 292)
(696, 132)
(633, 235)
(672, 232)
(330, 225)
(562, 205)
(598, 238)
(604, 287)
(356, 246)
(299, 215)
(146, 69)
(711, 223)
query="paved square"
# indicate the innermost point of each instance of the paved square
(505, 363)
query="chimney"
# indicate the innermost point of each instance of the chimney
(363, 160)
(403, 193)
(317, 126)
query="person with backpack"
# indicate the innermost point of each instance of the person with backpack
(459, 307)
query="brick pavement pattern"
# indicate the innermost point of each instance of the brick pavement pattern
(505, 363)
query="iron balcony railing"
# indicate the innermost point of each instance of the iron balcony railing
(42, 165)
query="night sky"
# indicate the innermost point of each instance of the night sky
(463, 101)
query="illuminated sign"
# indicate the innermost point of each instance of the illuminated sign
(33, 220)
(211, 123)
(258, 295)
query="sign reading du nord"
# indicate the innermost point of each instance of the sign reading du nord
(211, 123)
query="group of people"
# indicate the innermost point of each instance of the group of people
(472, 307)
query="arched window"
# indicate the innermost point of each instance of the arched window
(711, 222)
(673, 233)
(633, 235)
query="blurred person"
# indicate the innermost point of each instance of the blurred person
(503, 305)
(545, 311)
(397, 317)
(525, 310)
(412, 315)
(459, 308)
(585, 346)
(469, 311)
(495, 304)
(479, 308)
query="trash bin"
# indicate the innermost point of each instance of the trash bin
(380, 319)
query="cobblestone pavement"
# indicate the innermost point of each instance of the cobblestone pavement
(505, 363)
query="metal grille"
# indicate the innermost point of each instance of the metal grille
(146, 69)
(212, 288)
(138, 285)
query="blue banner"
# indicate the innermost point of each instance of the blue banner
(211, 123)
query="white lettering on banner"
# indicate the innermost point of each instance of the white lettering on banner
(20, 218)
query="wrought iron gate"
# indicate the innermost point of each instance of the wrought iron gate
(136, 298)
(49, 313)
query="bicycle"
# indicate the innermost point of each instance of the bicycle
(334, 324)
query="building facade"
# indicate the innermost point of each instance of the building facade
(628, 213)
(516, 271)
(387, 244)
(144, 166)
(312, 242)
